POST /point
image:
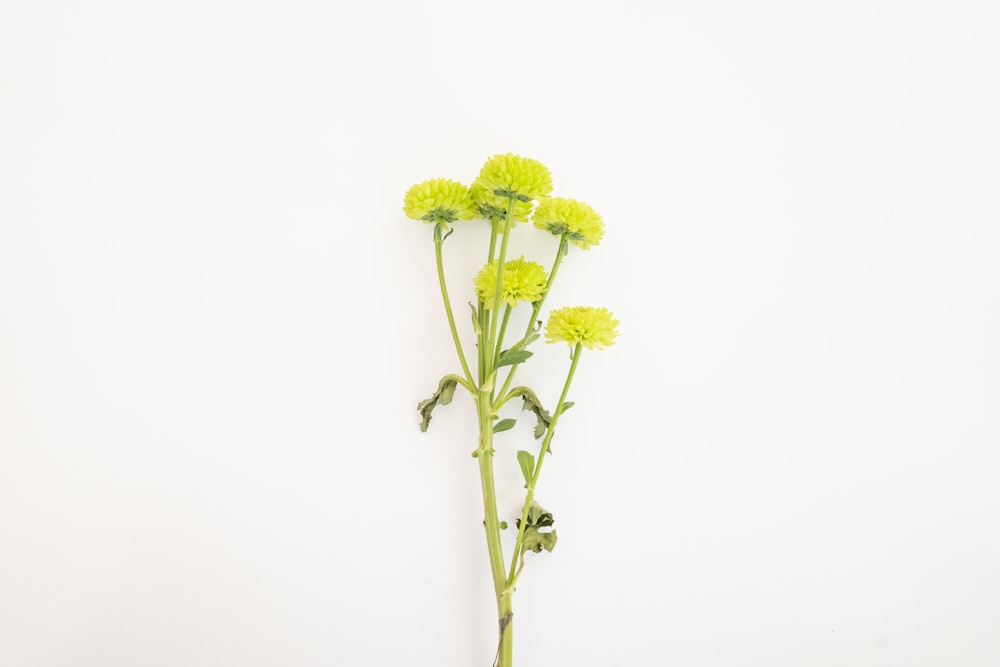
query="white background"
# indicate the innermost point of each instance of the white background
(215, 324)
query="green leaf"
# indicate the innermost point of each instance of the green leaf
(532, 403)
(534, 539)
(443, 396)
(503, 525)
(527, 340)
(527, 462)
(567, 405)
(504, 425)
(513, 356)
(539, 516)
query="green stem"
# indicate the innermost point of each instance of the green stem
(494, 320)
(530, 496)
(493, 239)
(438, 243)
(484, 323)
(484, 316)
(537, 308)
(503, 330)
(492, 522)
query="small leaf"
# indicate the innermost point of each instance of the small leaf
(443, 395)
(532, 336)
(527, 462)
(513, 356)
(504, 425)
(503, 525)
(567, 405)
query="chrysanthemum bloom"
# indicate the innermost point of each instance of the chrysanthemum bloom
(510, 175)
(439, 200)
(576, 220)
(594, 328)
(523, 280)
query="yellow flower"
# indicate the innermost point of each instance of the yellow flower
(594, 328)
(523, 280)
(439, 200)
(511, 175)
(575, 220)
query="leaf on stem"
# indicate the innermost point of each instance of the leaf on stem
(504, 425)
(513, 356)
(534, 539)
(527, 462)
(443, 395)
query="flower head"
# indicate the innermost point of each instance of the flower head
(575, 220)
(439, 200)
(594, 328)
(523, 280)
(510, 175)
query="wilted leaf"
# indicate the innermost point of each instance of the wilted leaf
(443, 395)
(534, 539)
(532, 403)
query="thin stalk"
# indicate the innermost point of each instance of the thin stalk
(438, 243)
(537, 308)
(503, 330)
(481, 312)
(484, 325)
(530, 496)
(494, 321)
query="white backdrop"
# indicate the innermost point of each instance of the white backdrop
(215, 324)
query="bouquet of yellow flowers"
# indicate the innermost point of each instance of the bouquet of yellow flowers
(511, 189)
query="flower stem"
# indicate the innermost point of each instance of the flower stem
(503, 330)
(537, 308)
(494, 320)
(438, 242)
(530, 496)
(488, 347)
(492, 523)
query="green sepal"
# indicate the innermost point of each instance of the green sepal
(527, 462)
(504, 425)
(513, 356)
(443, 396)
